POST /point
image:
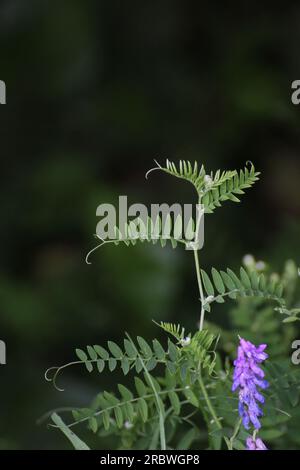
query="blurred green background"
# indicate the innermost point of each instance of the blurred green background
(95, 91)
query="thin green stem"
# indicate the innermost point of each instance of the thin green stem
(235, 433)
(159, 404)
(196, 257)
(209, 404)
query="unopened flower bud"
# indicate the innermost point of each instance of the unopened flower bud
(260, 266)
(128, 425)
(248, 261)
(185, 341)
(208, 181)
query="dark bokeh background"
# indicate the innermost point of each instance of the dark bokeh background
(95, 91)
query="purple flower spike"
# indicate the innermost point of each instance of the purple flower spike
(255, 444)
(247, 377)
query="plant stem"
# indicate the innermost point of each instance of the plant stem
(159, 404)
(196, 257)
(209, 404)
(235, 433)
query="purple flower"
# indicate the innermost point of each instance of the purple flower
(248, 377)
(255, 444)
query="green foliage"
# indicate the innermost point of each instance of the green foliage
(161, 231)
(175, 330)
(212, 189)
(186, 171)
(138, 231)
(178, 388)
(229, 189)
(184, 357)
(248, 284)
(184, 386)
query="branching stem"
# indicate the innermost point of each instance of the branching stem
(196, 257)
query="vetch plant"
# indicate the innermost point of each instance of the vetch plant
(187, 384)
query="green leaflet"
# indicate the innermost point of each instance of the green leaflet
(81, 355)
(77, 443)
